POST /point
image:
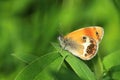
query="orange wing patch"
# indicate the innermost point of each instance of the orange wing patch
(83, 42)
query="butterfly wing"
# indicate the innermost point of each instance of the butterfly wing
(83, 42)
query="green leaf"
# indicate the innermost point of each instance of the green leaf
(115, 68)
(27, 58)
(66, 73)
(34, 68)
(80, 68)
(59, 49)
(111, 60)
(56, 46)
(48, 72)
(116, 75)
(114, 72)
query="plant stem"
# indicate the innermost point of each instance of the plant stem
(98, 67)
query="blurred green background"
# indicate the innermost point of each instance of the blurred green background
(29, 26)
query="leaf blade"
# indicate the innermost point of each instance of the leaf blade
(111, 60)
(27, 58)
(48, 73)
(74, 62)
(30, 71)
(80, 68)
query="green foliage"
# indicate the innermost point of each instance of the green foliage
(27, 27)
(41, 67)
(79, 67)
(27, 58)
(111, 60)
(48, 66)
(37, 66)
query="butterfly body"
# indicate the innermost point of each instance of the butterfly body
(83, 42)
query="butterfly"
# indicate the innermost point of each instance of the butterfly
(84, 42)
